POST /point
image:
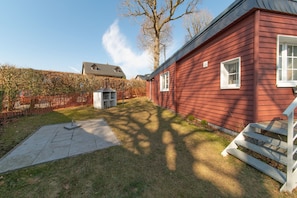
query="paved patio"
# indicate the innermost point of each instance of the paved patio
(53, 142)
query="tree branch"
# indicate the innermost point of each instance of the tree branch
(157, 16)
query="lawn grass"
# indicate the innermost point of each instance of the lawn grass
(161, 155)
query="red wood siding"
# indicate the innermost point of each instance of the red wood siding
(195, 90)
(163, 98)
(167, 97)
(198, 90)
(148, 86)
(272, 100)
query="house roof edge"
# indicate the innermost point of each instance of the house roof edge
(232, 13)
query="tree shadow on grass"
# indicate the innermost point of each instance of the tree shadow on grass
(161, 155)
(182, 160)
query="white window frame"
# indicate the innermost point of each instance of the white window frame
(225, 83)
(285, 40)
(164, 82)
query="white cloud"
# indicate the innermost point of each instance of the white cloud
(75, 69)
(116, 45)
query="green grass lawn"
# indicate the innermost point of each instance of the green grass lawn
(161, 155)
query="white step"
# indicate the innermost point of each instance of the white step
(263, 151)
(280, 131)
(266, 139)
(258, 164)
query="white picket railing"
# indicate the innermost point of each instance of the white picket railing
(291, 182)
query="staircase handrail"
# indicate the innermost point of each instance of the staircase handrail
(291, 181)
(290, 108)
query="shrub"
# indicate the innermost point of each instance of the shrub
(191, 118)
(204, 123)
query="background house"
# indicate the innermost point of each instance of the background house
(142, 77)
(104, 70)
(239, 70)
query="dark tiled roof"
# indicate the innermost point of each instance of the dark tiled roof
(236, 10)
(142, 77)
(102, 70)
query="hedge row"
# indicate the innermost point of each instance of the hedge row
(28, 88)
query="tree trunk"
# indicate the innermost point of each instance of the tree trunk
(33, 101)
(156, 53)
(1, 99)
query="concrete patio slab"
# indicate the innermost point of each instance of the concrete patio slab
(53, 142)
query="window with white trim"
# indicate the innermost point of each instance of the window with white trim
(230, 74)
(286, 61)
(164, 81)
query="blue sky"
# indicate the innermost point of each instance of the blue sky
(59, 35)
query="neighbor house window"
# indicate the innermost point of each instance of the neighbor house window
(230, 74)
(286, 61)
(164, 81)
(117, 69)
(95, 67)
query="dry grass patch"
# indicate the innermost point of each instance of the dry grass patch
(161, 156)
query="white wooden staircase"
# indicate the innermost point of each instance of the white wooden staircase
(270, 148)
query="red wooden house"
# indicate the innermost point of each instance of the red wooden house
(239, 70)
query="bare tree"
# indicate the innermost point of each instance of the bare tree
(147, 35)
(156, 16)
(196, 22)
